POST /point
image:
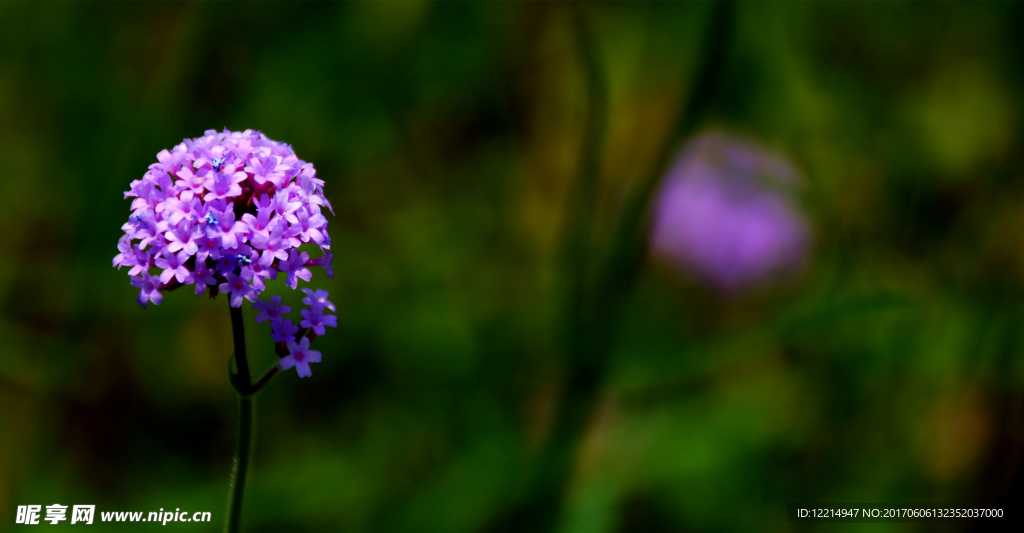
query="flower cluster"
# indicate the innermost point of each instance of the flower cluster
(227, 211)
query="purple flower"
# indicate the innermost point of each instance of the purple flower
(178, 208)
(193, 181)
(191, 216)
(148, 292)
(180, 238)
(168, 161)
(721, 215)
(173, 265)
(261, 273)
(131, 255)
(266, 169)
(314, 318)
(282, 329)
(320, 297)
(295, 267)
(260, 222)
(233, 259)
(148, 193)
(309, 226)
(238, 287)
(284, 206)
(270, 310)
(300, 356)
(207, 247)
(222, 225)
(325, 262)
(203, 277)
(223, 185)
(145, 226)
(127, 255)
(274, 245)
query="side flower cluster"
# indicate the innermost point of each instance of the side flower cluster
(293, 344)
(226, 212)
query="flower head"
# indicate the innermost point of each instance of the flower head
(219, 193)
(226, 211)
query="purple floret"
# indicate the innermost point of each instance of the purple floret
(300, 356)
(282, 329)
(270, 310)
(148, 292)
(315, 319)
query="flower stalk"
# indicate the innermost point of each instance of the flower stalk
(243, 384)
(240, 469)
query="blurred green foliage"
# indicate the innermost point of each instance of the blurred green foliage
(448, 135)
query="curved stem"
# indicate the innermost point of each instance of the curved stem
(266, 378)
(240, 470)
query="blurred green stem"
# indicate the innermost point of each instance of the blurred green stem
(556, 461)
(242, 381)
(625, 256)
(579, 242)
(596, 296)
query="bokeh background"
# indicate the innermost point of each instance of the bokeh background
(890, 368)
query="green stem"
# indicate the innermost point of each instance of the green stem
(240, 470)
(242, 381)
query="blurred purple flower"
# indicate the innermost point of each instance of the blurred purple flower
(723, 215)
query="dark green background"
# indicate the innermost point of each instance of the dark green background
(448, 136)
